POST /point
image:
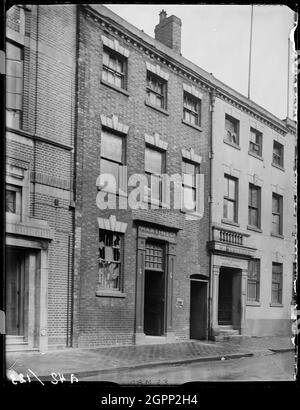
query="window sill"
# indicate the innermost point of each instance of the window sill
(277, 235)
(252, 303)
(196, 127)
(110, 293)
(163, 111)
(276, 305)
(278, 166)
(113, 87)
(255, 155)
(254, 228)
(229, 222)
(232, 144)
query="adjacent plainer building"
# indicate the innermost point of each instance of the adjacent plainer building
(119, 102)
(40, 78)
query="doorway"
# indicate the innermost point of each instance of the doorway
(198, 309)
(154, 303)
(16, 293)
(225, 297)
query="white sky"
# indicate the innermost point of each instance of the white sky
(216, 38)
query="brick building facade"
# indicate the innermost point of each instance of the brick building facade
(101, 96)
(40, 63)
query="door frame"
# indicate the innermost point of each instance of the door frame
(165, 297)
(206, 281)
(147, 231)
(37, 254)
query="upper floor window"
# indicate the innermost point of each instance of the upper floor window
(14, 84)
(13, 201)
(189, 189)
(277, 153)
(276, 214)
(255, 143)
(254, 205)
(253, 280)
(191, 109)
(110, 260)
(276, 283)
(230, 210)
(114, 68)
(112, 155)
(154, 167)
(156, 91)
(231, 130)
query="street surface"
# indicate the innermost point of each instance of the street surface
(270, 367)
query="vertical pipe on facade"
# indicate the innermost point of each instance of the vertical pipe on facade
(211, 159)
(74, 169)
(35, 107)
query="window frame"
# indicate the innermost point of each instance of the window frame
(163, 95)
(120, 288)
(192, 186)
(276, 213)
(237, 123)
(14, 122)
(105, 68)
(148, 174)
(235, 201)
(278, 300)
(15, 216)
(197, 113)
(108, 131)
(258, 135)
(280, 156)
(252, 207)
(253, 281)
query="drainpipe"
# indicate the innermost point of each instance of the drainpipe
(72, 289)
(35, 107)
(211, 163)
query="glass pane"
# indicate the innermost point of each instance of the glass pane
(111, 168)
(105, 58)
(231, 193)
(275, 204)
(251, 291)
(111, 146)
(153, 161)
(110, 77)
(13, 52)
(253, 217)
(10, 201)
(225, 187)
(189, 198)
(118, 81)
(13, 119)
(230, 125)
(228, 209)
(155, 187)
(253, 197)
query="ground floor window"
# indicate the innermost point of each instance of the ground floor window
(276, 283)
(253, 280)
(110, 244)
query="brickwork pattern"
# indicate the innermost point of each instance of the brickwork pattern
(102, 320)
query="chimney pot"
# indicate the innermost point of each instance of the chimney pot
(162, 15)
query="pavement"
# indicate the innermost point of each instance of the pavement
(89, 362)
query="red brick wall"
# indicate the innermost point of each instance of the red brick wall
(104, 320)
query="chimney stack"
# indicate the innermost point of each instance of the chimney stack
(168, 31)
